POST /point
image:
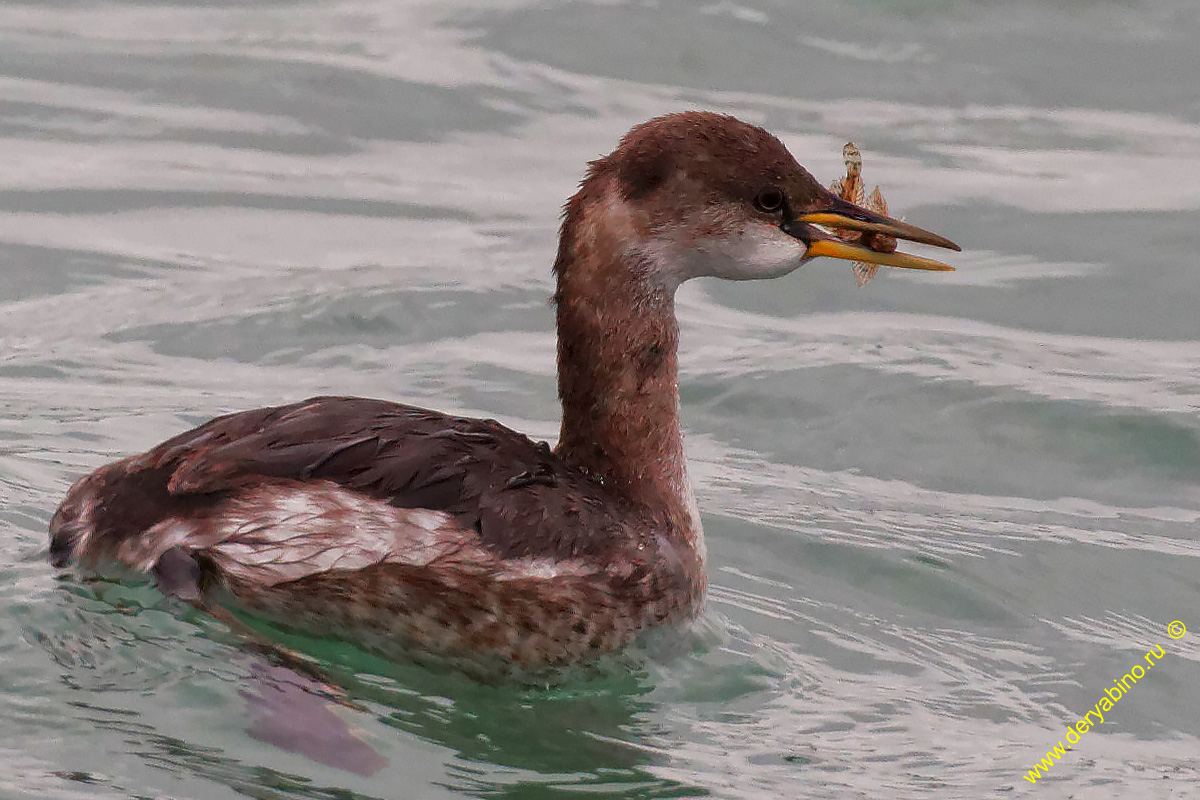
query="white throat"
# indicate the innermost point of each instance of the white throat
(755, 252)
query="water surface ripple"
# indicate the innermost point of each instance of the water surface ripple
(943, 512)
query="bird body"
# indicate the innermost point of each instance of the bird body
(414, 531)
(400, 527)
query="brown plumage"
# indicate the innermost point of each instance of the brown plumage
(414, 531)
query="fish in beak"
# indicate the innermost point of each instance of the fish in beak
(840, 215)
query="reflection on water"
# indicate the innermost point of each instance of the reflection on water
(942, 511)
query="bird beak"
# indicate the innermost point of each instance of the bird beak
(842, 215)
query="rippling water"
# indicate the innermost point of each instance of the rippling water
(944, 512)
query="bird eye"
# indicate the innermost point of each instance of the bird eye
(769, 199)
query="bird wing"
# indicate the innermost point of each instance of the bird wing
(514, 496)
(520, 497)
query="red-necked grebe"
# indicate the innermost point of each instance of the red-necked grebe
(401, 527)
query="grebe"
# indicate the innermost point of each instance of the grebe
(410, 530)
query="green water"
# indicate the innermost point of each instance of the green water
(944, 512)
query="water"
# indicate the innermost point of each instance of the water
(944, 512)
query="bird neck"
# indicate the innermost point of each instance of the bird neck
(617, 361)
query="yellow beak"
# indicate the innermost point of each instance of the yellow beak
(835, 249)
(841, 215)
